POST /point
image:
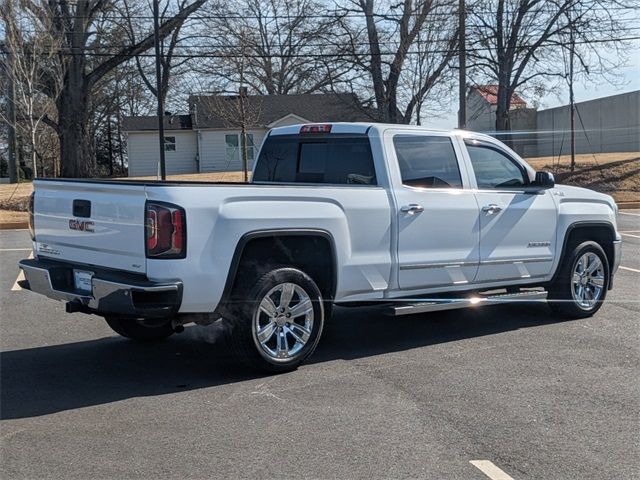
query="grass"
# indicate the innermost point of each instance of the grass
(617, 174)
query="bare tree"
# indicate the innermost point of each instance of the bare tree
(30, 64)
(514, 43)
(85, 60)
(289, 46)
(409, 43)
(170, 65)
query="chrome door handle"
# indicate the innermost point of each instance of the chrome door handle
(412, 209)
(491, 208)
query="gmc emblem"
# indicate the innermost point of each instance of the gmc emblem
(81, 225)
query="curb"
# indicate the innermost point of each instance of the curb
(628, 205)
(14, 225)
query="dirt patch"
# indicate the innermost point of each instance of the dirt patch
(616, 174)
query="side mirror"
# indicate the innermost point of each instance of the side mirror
(544, 180)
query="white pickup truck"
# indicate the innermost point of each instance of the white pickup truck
(411, 219)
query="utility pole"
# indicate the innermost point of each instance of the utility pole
(462, 60)
(11, 113)
(243, 112)
(156, 38)
(572, 103)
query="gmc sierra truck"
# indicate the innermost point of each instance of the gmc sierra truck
(407, 218)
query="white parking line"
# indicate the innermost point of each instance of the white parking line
(14, 249)
(17, 287)
(629, 235)
(629, 213)
(630, 269)
(490, 470)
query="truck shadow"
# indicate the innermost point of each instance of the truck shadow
(44, 380)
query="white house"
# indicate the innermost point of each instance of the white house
(208, 139)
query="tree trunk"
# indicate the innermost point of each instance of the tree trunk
(76, 157)
(34, 163)
(503, 123)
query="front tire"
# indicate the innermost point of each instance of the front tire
(278, 321)
(582, 282)
(140, 330)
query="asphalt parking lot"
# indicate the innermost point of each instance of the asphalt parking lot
(420, 396)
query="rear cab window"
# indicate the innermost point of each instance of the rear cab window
(427, 161)
(334, 159)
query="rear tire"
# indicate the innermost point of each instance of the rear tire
(582, 282)
(140, 331)
(277, 321)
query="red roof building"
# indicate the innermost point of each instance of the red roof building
(490, 94)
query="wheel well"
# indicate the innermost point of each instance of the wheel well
(603, 235)
(313, 253)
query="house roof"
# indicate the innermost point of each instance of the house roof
(150, 123)
(490, 94)
(209, 111)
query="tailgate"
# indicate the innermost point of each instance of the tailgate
(95, 223)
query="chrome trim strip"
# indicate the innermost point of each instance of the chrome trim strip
(415, 266)
(517, 260)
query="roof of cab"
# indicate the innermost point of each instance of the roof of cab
(363, 127)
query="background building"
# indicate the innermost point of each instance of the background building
(208, 139)
(608, 124)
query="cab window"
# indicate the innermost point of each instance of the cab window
(494, 169)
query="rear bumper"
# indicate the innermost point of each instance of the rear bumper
(113, 293)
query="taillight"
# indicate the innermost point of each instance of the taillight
(166, 231)
(32, 228)
(321, 128)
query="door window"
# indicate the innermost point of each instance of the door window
(427, 161)
(494, 169)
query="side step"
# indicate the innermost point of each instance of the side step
(430, 305)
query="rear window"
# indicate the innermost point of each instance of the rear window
(329, 159)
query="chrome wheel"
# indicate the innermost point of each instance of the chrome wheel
(588, 281)
(283, 322)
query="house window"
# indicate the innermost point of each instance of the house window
(250, 147)
(169, 144)
(233, 150)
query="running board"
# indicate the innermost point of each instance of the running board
(479, 301)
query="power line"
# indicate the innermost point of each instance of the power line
(62, 51)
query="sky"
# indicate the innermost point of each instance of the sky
(630, 81)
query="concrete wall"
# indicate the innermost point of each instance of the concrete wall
(609, 124)
(142, 153)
